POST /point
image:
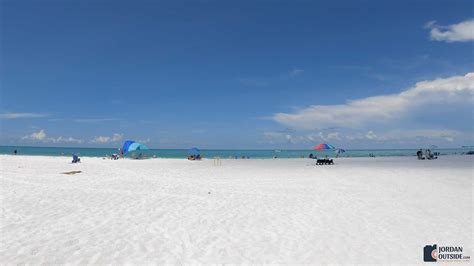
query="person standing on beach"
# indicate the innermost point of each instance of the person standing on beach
(15, 152)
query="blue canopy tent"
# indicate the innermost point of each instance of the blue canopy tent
(194, 151)
(134, 149)
(126, 145)
(137, 147)
(194, 154)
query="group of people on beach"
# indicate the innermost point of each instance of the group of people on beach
(422, 155)
(194, 157)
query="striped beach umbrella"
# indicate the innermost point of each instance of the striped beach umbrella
(323, 146)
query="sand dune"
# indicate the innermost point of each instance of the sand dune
(361, 210)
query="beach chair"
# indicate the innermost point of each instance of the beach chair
(324, 161)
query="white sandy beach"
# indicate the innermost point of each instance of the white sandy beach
(361, 210)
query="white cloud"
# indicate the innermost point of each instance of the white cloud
(278, 137)
(36, 136)
(384, 108)
(445, 134)
(107, 139)
(62, 139)
(407, 135)
(349, 138)
(21, 115)
(41, 136)
(299, 138)
(117, 137)
(333, 136)
(295, 72)
(370, 135)
(461, 32)
(144, 141)
(100, 139)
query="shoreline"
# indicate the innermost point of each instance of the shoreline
(231, 153)
(243, 149)
(228, 158)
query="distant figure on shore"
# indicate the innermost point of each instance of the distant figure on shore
(419, 154)
(311, 156)
(15, 152)
(194, 157)
(430, 156)
(75, 158)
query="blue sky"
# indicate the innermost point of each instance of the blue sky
(260, 74)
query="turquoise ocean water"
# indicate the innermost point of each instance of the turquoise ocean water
(253, 154)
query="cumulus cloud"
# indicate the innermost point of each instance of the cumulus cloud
(107, 139)
(272, 137)
(62, 139)
(41, 136)
(383, 108)
(406, 135)
(21, 115)
(100, 139)
(370, 135)
(416, 134)
(333, 136)
(277, 137)
(461, 32)
(411, 136)
(35, 136)
(144, 141)
(117, 137)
